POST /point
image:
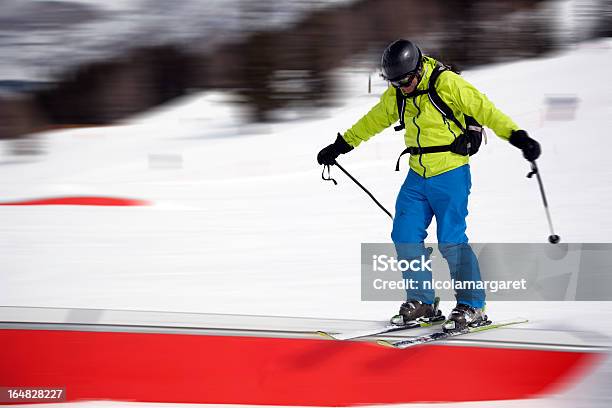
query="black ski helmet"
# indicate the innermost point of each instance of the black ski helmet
(400, 58)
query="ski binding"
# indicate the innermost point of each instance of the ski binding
(487, 325)
(438, 318)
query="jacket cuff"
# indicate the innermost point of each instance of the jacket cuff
(342, 145)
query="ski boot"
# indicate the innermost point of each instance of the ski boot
(464, 317)
(415, 310)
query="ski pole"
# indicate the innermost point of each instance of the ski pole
(552, 238)
(356, 182)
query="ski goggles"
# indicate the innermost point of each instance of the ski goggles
(407, 79)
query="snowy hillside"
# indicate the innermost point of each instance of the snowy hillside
(241, 221)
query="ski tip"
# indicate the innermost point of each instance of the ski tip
(326, 335)
(385, 343)
(518, 320)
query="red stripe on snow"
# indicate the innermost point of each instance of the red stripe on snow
(183, 368)
(85, 200)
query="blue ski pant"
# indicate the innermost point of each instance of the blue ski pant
(444, 196)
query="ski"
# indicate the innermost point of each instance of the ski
(389, 328)
(403, 344)
(439, 319)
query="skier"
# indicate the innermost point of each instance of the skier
(439, 181)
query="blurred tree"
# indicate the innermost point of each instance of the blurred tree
(291, 67)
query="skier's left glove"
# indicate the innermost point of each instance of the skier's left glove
(329, 154)
(531, 149)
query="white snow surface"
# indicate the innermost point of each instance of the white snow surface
(245, 224)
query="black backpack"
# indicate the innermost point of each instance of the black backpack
(465, 144)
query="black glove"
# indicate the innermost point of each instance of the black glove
(330, 153)
(531, 148)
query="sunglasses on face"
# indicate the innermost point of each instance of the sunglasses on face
(408, 78)
(405, 81)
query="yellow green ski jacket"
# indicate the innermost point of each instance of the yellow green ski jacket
(425, 125)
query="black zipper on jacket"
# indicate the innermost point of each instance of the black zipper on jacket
(418, 135)
(449, 128)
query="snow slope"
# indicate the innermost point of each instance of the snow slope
(243, 223)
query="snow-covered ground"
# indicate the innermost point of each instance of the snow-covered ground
(242, 222)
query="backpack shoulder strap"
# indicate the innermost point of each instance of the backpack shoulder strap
(401, 106)
(437, 101)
